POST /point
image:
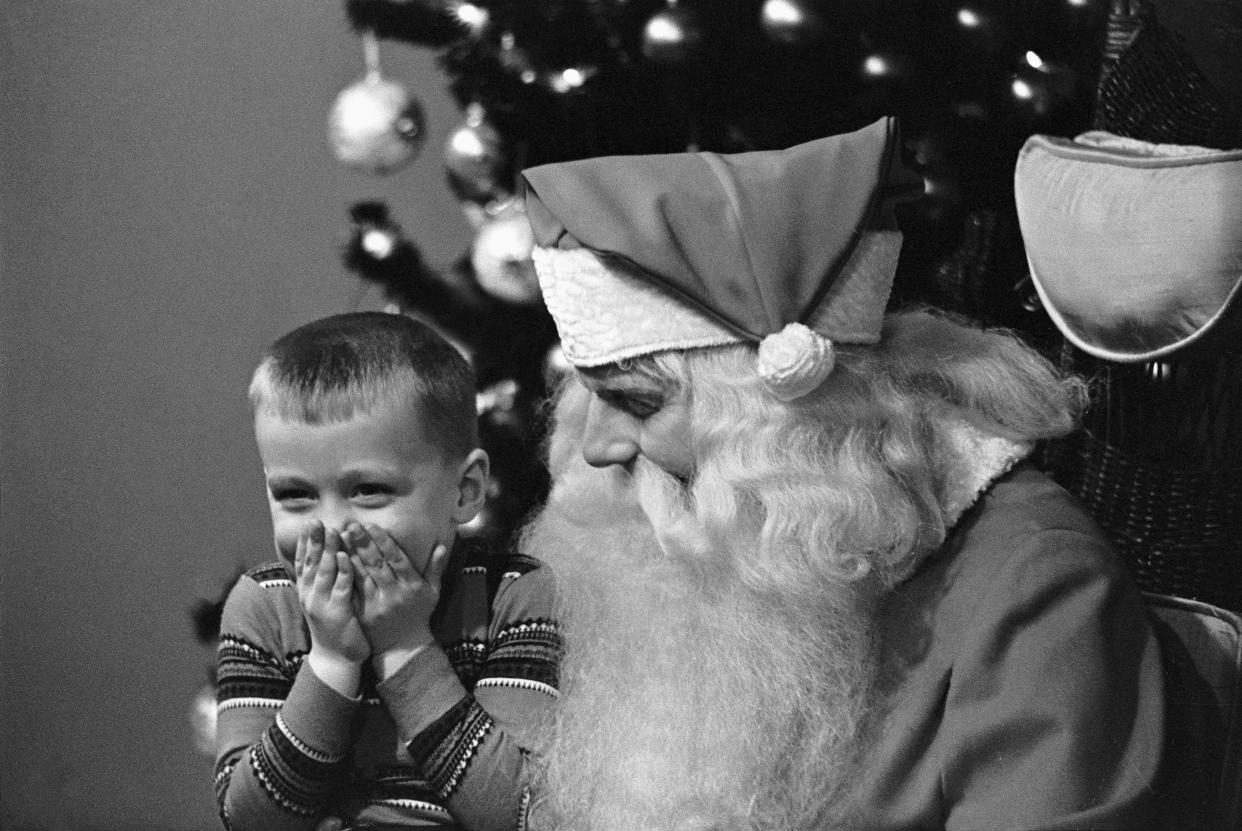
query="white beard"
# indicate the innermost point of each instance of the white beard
(689, 700)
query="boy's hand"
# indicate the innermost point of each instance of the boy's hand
(396, 599)
(325, 581)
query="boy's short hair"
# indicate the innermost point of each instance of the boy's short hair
(334, 368)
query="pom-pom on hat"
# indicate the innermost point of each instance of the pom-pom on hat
(642, 254)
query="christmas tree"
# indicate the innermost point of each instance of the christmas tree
(567, 79)
(1159, 459)
(970, 81)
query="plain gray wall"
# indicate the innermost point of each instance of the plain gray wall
(169, 206)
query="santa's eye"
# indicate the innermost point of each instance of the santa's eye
(638, 405)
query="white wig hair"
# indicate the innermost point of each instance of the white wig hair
(850, 479)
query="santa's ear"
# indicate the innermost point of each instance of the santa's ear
(471, 486)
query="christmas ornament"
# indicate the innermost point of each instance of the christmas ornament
(375, 125)
(569, 79)
(475, 155)
(885, 66)
(982, 29)
(500, 255)
(378, 243)
(555, 364)
(499, 397)
(515, 60)
(203, 719)
(672, 36)
(477, 203)
(473, 18)
(1031, 94)
(375, 235)
(378, 252)
(793, 22)
(1040, 86)
(969, 18)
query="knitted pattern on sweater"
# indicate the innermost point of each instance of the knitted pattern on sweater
(407, 752)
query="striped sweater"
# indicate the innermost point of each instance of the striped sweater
(442, 743)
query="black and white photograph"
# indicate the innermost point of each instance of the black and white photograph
(621, 415)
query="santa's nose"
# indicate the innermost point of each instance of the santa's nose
(607, 438)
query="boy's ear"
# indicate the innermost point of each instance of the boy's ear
(471, 486)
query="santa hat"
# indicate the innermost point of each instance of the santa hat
(642, 254)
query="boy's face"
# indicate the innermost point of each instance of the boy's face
(376, 468)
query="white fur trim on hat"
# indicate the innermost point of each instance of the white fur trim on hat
(794, 361)
(604, 315)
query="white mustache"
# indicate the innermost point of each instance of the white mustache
(669, 505)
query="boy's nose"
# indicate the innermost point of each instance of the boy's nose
(334, 514)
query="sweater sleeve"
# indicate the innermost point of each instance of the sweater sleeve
(282, 734)
(1055, 707)
(473, 747)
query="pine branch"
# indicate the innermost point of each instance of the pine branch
(419, 23)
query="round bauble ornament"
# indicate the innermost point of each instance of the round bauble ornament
(378, 243)
(1031, 94)
(887, 67)
(203, 719)
(472, 17)
(515, 59)
(569, 79)
(673, 35)
(983, 29)
(501, 259)
(475, 153)
(376, 126)
(1039, 86)
(792, 22)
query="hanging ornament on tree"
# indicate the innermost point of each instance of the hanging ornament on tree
(570, 79)
(376, 237)
(501, 252)
(475, 156)
(982, 29)
(792, 22)
(375, 125)
(673, 35)
(1039, 86)
(472, 17)
(887, 67)
(515, 60)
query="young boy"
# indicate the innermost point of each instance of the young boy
(383, 672)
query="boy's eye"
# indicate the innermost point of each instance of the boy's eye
(372, 492)
(293, 497)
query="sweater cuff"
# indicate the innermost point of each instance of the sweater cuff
(317, 714)
(421, 691)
